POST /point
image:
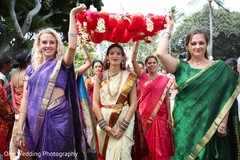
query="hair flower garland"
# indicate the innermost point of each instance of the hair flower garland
(118, 28)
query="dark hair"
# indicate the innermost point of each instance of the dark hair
(140, 62)
(4, 59)
(22, 59)
(150, 56)
(96, 61)
(189, 38)
(147, 58)
(182, 56)
(232, 62)
(106, 65)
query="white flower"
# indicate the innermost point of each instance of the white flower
(101, 26)
(149, 24)
(84, 37)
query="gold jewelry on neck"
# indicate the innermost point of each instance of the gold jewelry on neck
(198, 63)
(112, 75)
(150, 78)
(119, 84)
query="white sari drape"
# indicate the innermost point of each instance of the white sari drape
(118, 149)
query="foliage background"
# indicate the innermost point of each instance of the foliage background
(18, 25)
(226, 33)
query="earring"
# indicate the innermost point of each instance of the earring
(123, 64)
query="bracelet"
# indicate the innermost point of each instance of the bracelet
(21, 134)
(124, 125)
(102, 123)
(74, 34)
(167, 34)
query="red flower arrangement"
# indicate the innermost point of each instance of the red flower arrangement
(100, 26)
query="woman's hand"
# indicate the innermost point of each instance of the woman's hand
(222, 130)
(21, 142)
(118, 133)
(109, 131)
(169, 122)
(169, 21)
(79, 8)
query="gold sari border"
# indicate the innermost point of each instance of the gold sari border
(113, 106)
(47, 96)
(91, 125)
(56, 102)
(155, 111)
(126, 88)
(215, 123)
(49, 89)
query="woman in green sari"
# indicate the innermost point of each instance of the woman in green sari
(205, 110)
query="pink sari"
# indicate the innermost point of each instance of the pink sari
(16, 96)
(153, 113)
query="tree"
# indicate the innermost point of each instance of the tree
(226, 35)
(20, 20)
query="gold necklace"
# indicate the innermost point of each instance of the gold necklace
(119, 84)
(112, 75)
(150, 78)
(197, 64)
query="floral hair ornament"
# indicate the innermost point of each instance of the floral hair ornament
(118, 28)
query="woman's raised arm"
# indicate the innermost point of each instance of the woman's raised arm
(72, 35)
(136, 67)
(170, 63)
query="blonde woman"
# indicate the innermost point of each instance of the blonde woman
(50, 124)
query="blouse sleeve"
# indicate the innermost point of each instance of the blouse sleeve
(28, 73)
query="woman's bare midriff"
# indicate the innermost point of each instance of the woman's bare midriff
(57, 92)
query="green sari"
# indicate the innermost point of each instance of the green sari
(205, 97)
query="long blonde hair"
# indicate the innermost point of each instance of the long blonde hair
(37, 56)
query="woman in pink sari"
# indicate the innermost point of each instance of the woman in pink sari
(22, 61)
(154, 108)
